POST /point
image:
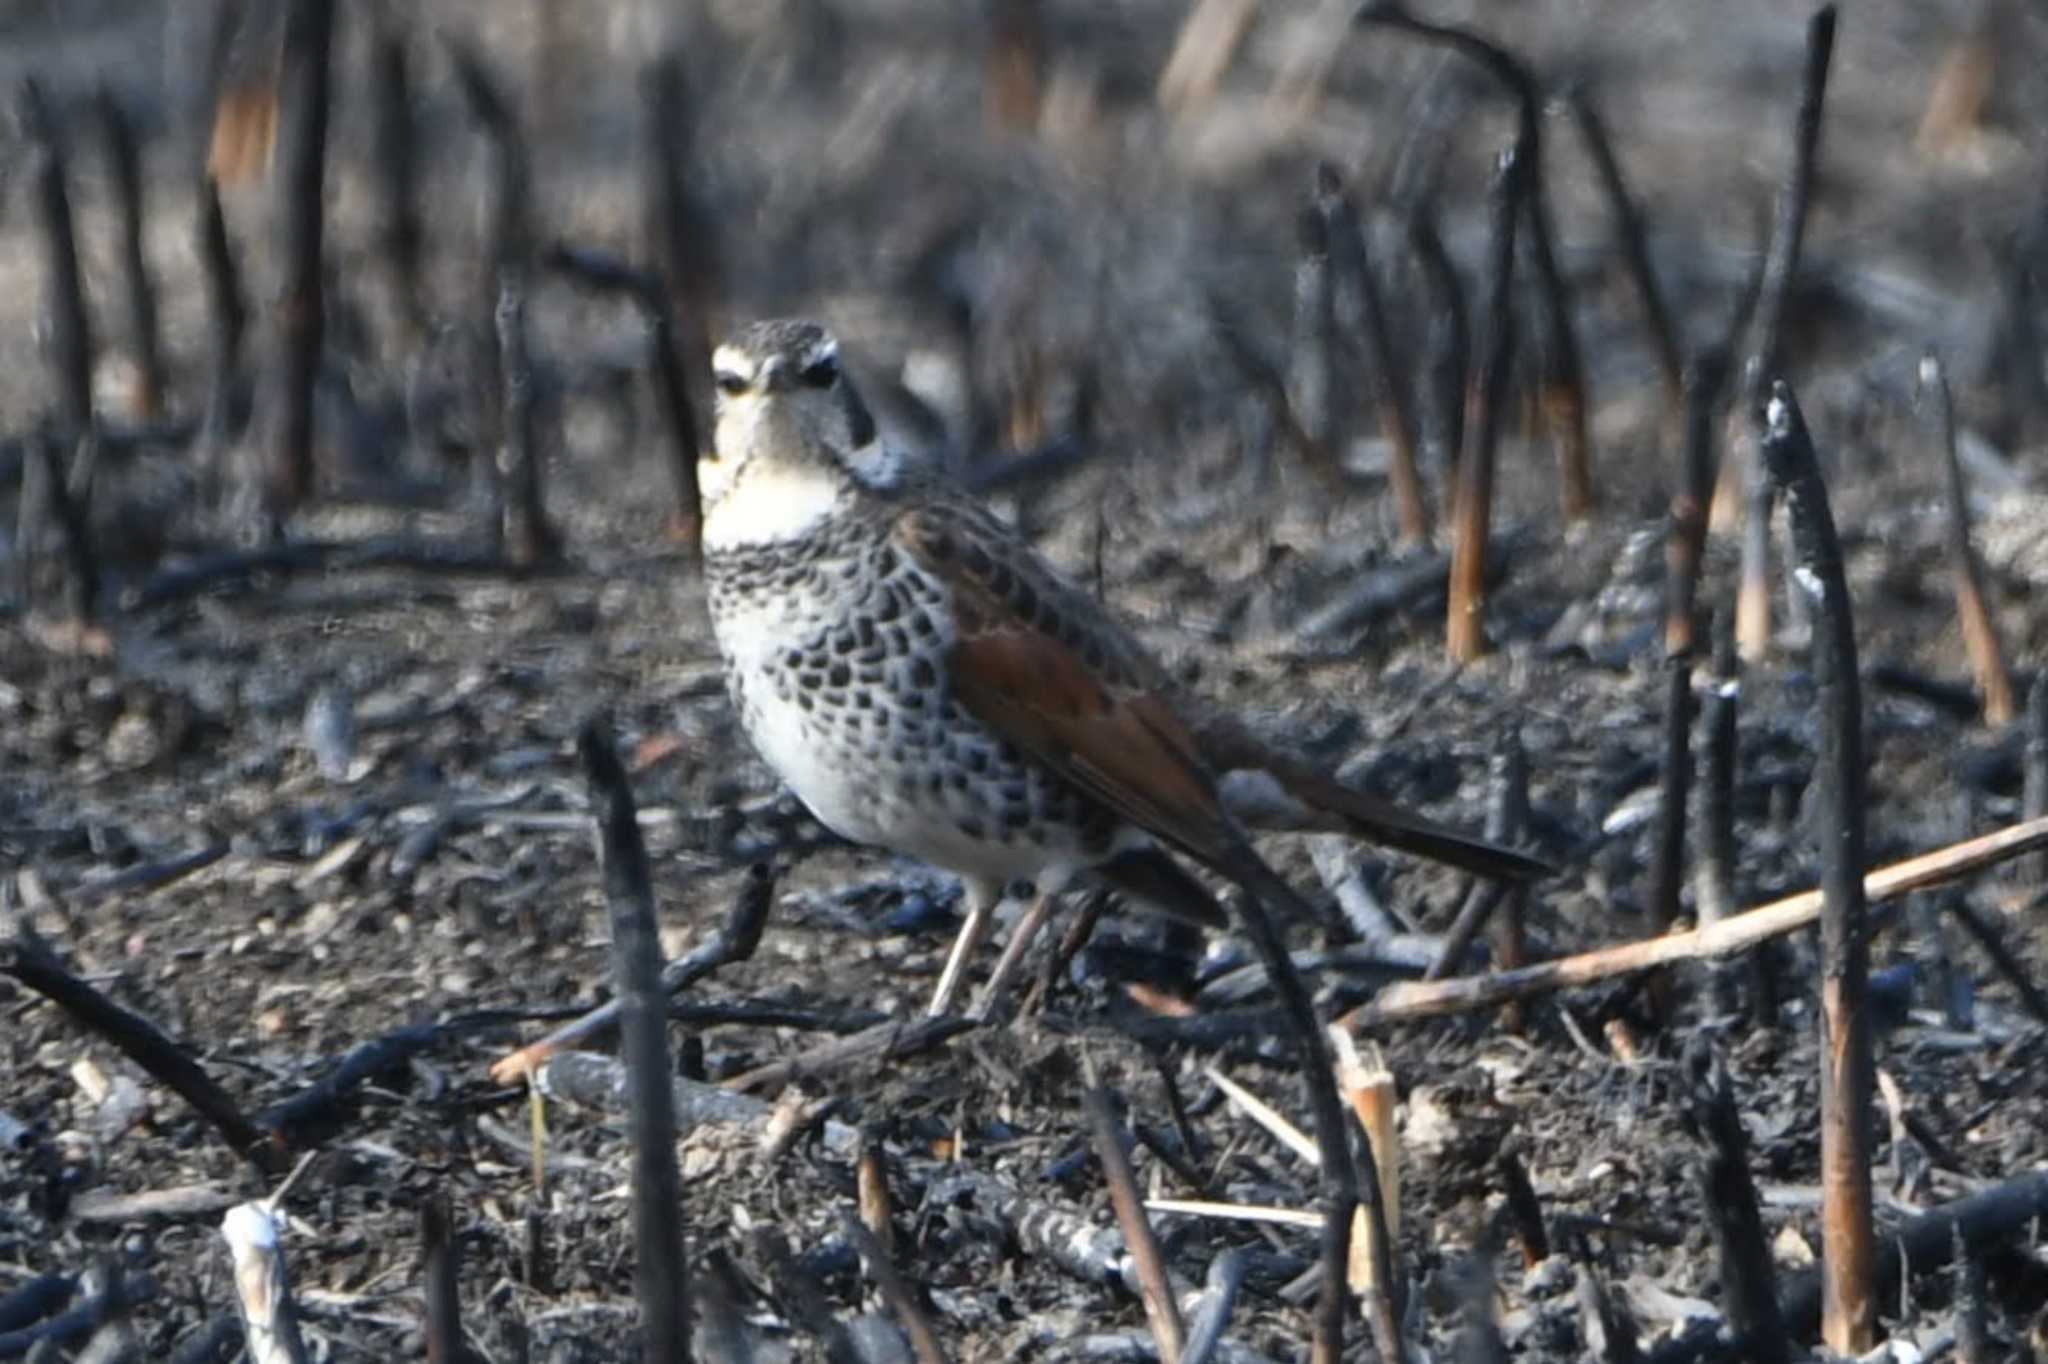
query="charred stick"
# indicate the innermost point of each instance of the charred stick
(443, 1277)
(1635, 249)
(1448, 345)
(399, 232)
(122, 1295)
(124, 160)
(33, 1299)
(297, 314)
(1357, 302)
(1524, 1213)
(1564, 380)
(226, 317)
(684, 251)
(1846, 1066)
(524, 524)
(1966, 570)
(217, 1342)
(2008, 963)
(1737, 933)
(720, 1291)
(896, 1290)
(1927, 1243)
(1312, 360)
(30, 963)
(1604, 1319)
(1479, 1339)
(1973, 1341)
(301, 1119)
(1704, 380)
(1162, 1308)
(734, 941)
(2034, 769)
(1748, 1286)
(70, 337)
(1079, 930)
(803, 1299)
(871, 1189)
(1211, 1313)
(1472, 500)
(603, 1083)
(1765, 360)
(886, 1042)
(1667, 865)
(82, 572)
(661, 1273)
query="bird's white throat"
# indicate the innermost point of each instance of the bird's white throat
(772, 502)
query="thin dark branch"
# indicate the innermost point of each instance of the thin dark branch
(298, 316)
(1846, 1064)
(660, 1271)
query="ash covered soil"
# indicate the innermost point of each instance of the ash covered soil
(1103, 270)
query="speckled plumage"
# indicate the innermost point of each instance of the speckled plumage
(925, 682)
(835, 652)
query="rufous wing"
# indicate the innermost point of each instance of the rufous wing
(1043, 667)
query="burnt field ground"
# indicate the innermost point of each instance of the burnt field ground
(299, 771)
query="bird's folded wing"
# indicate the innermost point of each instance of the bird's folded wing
(1046, 672)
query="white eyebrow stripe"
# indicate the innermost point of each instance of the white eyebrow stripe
(733, 359)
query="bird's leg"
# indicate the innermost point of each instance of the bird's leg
(982, 898)
(1007, 966)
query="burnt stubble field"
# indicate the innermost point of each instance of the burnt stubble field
(289, 764)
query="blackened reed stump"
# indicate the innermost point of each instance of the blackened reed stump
(1966, 570)
(2034, 769)
(1749, 1288)
(1311, 362)
(1848, 1245)
(1635, 248)
(530, 538)
(226, 318)
(399, 232)
(82, 570)
(1155, 1287)
(684, 253)
(661, 1275)
(1472, 498)
(442, 1271)
(124, 161)
(1448, 347)
(1765, 359)
(1713, 882)
(70, 335)
(1359, 308)
(1564, 380)
(1705, 379)
(297, 313)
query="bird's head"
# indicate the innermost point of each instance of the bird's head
(791, 440)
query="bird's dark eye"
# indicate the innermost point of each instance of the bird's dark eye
(820, 373)
(728, 382)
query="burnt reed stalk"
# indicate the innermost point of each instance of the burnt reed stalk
(661, 1275)
(397, 165)
(298, 314)
(441, 1258)
(683, 250)
(1966, 570)
(523, 527)
(2034, 770)
(1448, 345)
(1311, 361)
(1849, 1315)
(1563, 382)
(138, 292)
(1472, 498)
(69, 344)
(1361, 312)
(1634, 241)
(1739, 478)
(226, 318)
(1749, 1287)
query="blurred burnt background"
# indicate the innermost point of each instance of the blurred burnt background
(295, 640)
